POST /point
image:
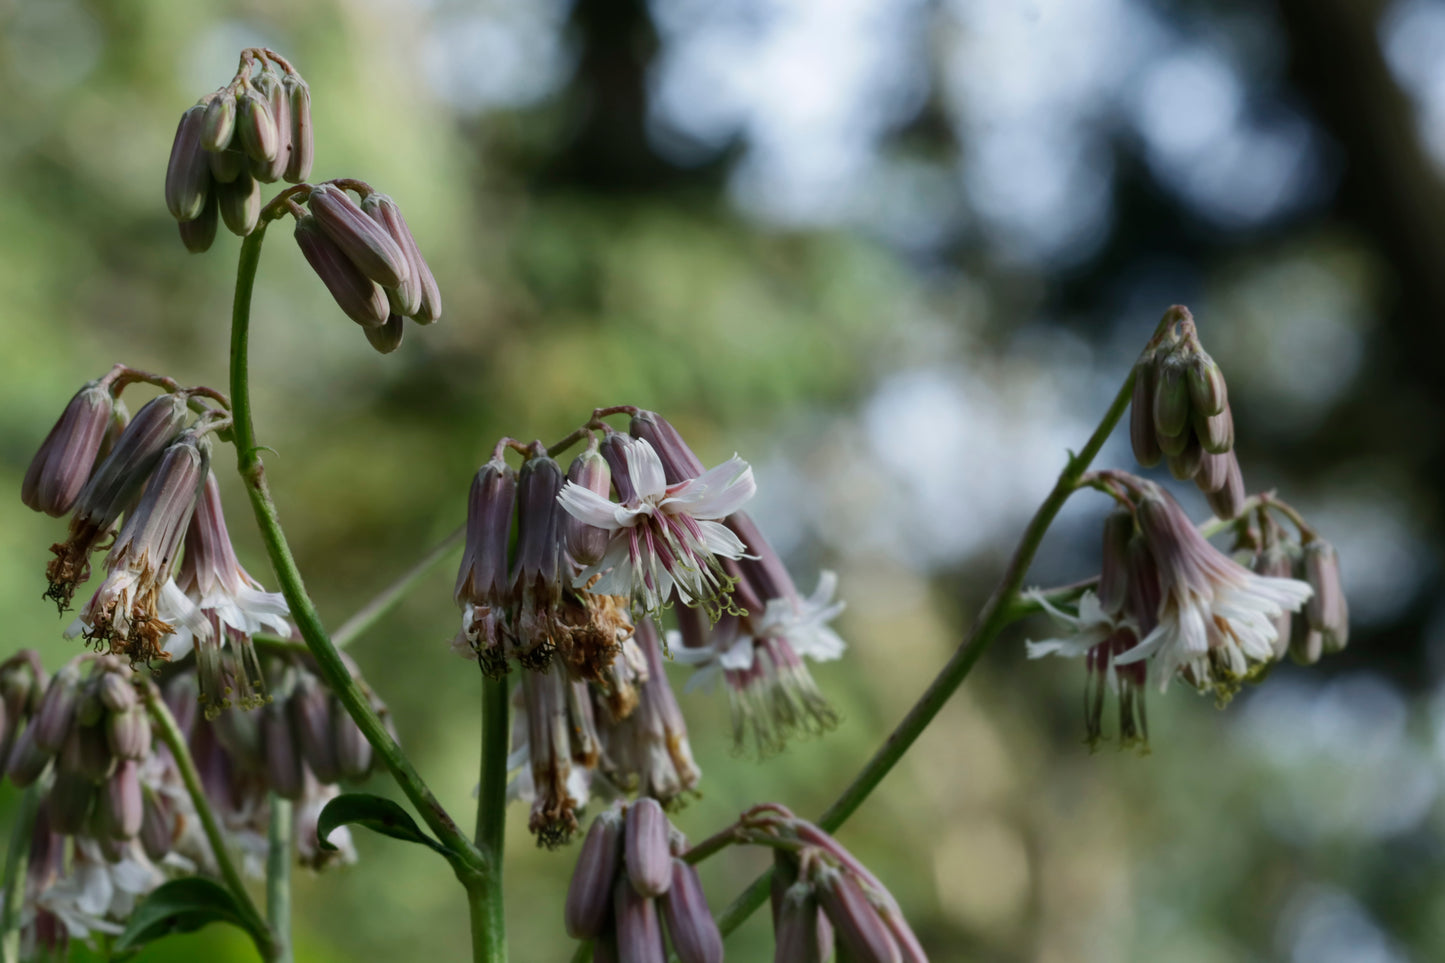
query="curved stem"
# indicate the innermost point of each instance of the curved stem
(466, 861)
(488, 911)
(16, 857)
(278, 877)
(164, 725)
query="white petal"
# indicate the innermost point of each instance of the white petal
(717, 492)
(587, 506)
(644, 469)
(721, 541)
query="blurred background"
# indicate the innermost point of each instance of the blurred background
(899, 255)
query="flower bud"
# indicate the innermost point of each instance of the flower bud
(587, 543)
(199, 233)
(1207, 394)
(1113, 566)
(1141, 413)
(188, 171)
(69, 802)
(589, 895)
(360, 298)
(182, 698)
(1171, 400)
(27, 760)
(353, 752)
(257, 128)
(679, 462)
(405, 297)
(386, 338)
(1216, 432)
(116, 692)
(1326, 612)
(240, 204)
(1274, 561)
(801, 934)
(645, 849)
(239, 732)
(62, 466)
(365, 242)
(89, 710)
(156, 834)
(120, 808)
(1306, 645)
(614, 449)
(310, 710)
(1184, 464)
(87, 752)
(639, 933)
(118, 479)
(284, 772)
(219, 122)
(56, 716)
(538, 513)
(482, 577)
(303, 146)
(695, 936)
(859, 930)
(227, 165)
(279, 102)
(128, 733)
(1228, 500)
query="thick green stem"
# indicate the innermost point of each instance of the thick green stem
(15, 864)
(489, 924)
(466, 860)
(278, 877)
(164, 725)
(997, 612)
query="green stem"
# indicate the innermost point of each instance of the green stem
(278, 877)
(15, 864)
(164, 725)
(488, 913)
(997, 612)
(466, 860)
(370, 613)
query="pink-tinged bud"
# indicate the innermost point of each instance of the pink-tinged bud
(87, 752)
(27, 760)
(695, 936)
(128, 733)
(303, 146)
(405, 297)
(859, 930)
(1306, 645)
(227, 165)
(1326, 612)
(117, 693)
(801, 934)
(1207, 393)
(1184, 464)
(386, 338)
(679, 462)
(239, 733)
(310, 709)
(1171, 400)
(587, 543)
(68, 805)
(535, 625)
(219, 122)
(63, 464)
(1213, 472)
(1216, 432)
(156, 833)
(1114, 561)
(1141, 413)
(639, 933)
(199, 233)
(56, 716)
(279, 102)
(284, 772)
(357, 295)
(1228, 500)
(240, 204)
(614, 448)
(188, 172)
(649, 862)
(256, 128)
(353, 753)
(366, 243)
(482, 577)
(1274, 561)
(120, 807)
(589, 895)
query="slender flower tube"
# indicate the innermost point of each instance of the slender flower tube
(483, 587)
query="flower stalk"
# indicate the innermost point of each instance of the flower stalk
(278, 877)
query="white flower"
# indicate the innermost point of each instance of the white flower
(664, 537)
(1091, 627)
(96, 896)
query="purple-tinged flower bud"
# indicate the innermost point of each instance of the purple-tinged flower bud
(1207, 393)
(27, 760)
(679, 462)
(860, 931)
(257, 128)
(589, 895)
(1306, 645)
(157, 829)
(587, 543)
(240, 204)
(405, 297)
(1274, 561)
(239, 732)
(1326, 612)
(182, 698)
(358, 296)
(1228, 500)
(386, 338)
(128, 733)
(353, 753)
(279, 102)
(285, 774)
(117, 693)
(227, 165)
(537, 631)
(310, 709)
(695, 936)
(1171, 399)
(56, 716)
(62, 466)
(614, 448)
(1114, 565)
(87, 752)
(1184, 464)
(1216, 432)
(90, 710)
(482, 577)
(188, 171)
(69, 802)
(801, 934)
(1142, 435)
(303, 145)
(1213, 472)
(649, 862)
(199, 233)
(219, 122)
(365, 242)
(639, 932)
(121, 808)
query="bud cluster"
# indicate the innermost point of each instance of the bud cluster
(1323, 627)
(1180, 413)
(632, 894)
(255, 130)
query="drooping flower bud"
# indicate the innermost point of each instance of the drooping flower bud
(157, 834)
(188, 172)
(68, 805)
(284, 771)
(1326, 612)
(256, 128)
(586, 543)
(128, 733)
(279, 102)
(1142, 435)
(118, 479)
(27, 761)
(1171, 401)
(645, 847)
(120, 807)
(1227, 501)
(406, 296)
(365, 242)
(1184, 464)
(87, 752)
(695, 936)
(537, 631)
(589, 895)
(801, 933)
(227, 165)
(639, 932)
(1215, 432)
(362, 300)
(310, 710)
(63, 464)
(116, 692)
(56, 715)
(1207, 393)
(482, 586)
(354, 753)
(387, 338)
(614, 449)
(220, 121)
(679, 462)
(303, 147)
(199, 233)
(240, 204)
(860, 931)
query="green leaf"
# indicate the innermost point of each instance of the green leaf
(376, 814)
(180, 906)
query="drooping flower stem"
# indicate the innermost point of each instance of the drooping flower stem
(164, 725)
(488, 916)
(278, 877)
(14, 880)
(469, 864)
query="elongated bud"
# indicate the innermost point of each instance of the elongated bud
(386, 338)
(199, 233)
(1326, 612)
(303, 147)
(1114, 565)
(695, 936)
(538, 521)
(1228, 500)
(1142, 435)
(589, 895)
(284, 773)
(353, 752)
(310, 709)
(800, 929)
(120, 807)
(156, 835)
(1213, 472)
(1274, 561)
(859, 930)
(188, 171)
(279, 102)
(1216, 432)
(1207, 394)
(90, 710)
(27, 760)
(356, 294)
(240, 204)
(365, 242)
(679, 462)
(587, 543)
(220, 121)
(63, 464)
(639, 933)
(482, 577)
(56, 716)
(128, 733)
(1171, 400)
(1184, 464)
(227, 165)
(87, 752)
(116, 692)
(405, 297)
(649, 861)
(69, 802)
(257, 129)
